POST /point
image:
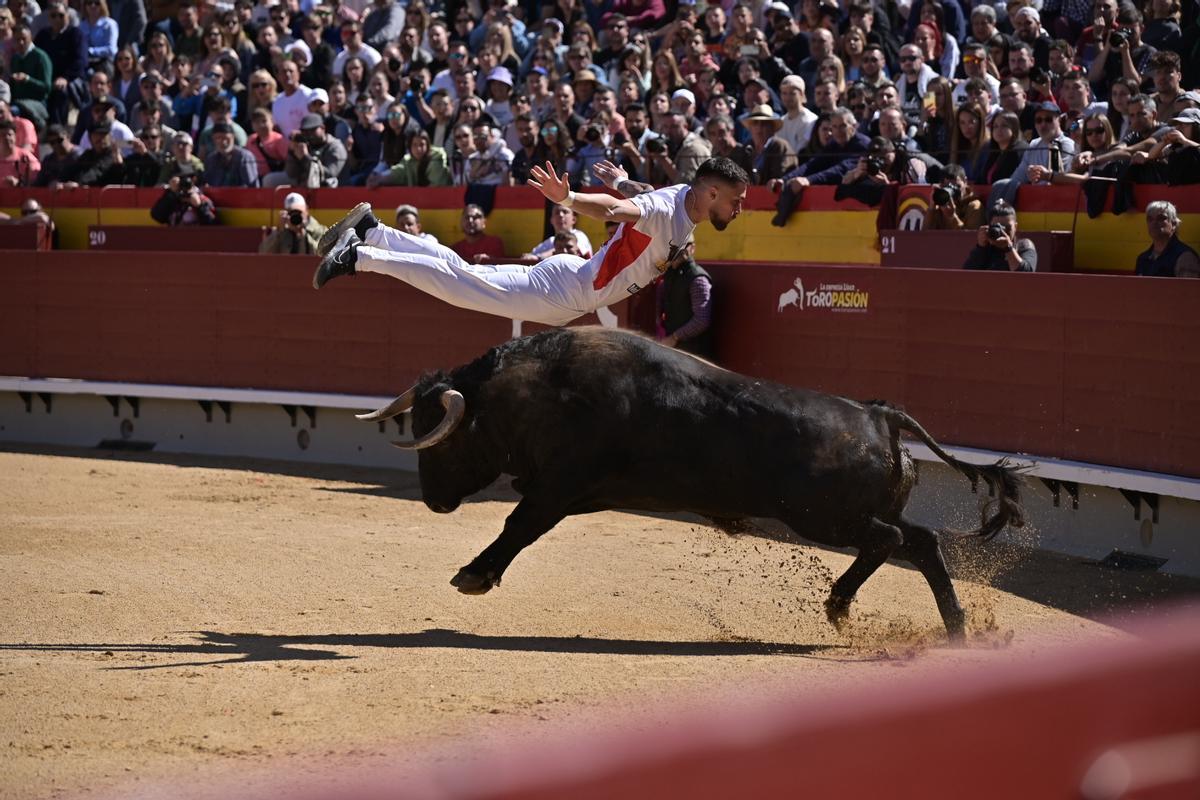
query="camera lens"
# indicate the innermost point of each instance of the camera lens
(295, 217)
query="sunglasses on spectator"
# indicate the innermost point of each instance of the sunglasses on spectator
(458, 136)
(395, 115)
(1091, 131)
(57, 15)
(906, 59)
(858, 106)
(259, 85)
(972, 60)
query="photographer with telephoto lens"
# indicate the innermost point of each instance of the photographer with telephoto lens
(997, 246)
(182, 202)
(297, 232)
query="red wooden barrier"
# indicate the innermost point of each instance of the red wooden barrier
(1088, 367)
(1096, 368)
(150, 239)
(949, 249)
(25, 237)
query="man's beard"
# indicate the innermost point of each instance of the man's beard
(717, 222)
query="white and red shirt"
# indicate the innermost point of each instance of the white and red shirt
(639, 251)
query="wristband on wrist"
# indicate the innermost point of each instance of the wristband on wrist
(569, 201)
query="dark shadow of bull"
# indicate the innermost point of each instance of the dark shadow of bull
(589, 419)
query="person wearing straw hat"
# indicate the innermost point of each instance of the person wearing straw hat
(773, 155)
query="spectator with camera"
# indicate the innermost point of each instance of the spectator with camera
(589, 153)
(1167, 257)
(876, 167)
(953, 205)
(1034, 80)
(997, 246)
(227, 164)
(314, 159)
(675, 158)
(1121, 54)
(297, 232)
(1104, 19)
(182, 203)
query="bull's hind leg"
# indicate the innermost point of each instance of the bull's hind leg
(529, 520)
(876, 541)
(921, 549)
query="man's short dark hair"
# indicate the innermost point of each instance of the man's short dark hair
(1019, 45)
(976, 85)
(1146, 100)
(723, 170)
(1165, 59)
(1002, 209)
(634, 107)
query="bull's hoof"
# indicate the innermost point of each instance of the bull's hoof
(956, 629)
(469, 582)
(837, 610)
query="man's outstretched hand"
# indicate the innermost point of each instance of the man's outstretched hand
(610, 174)
(553, 187)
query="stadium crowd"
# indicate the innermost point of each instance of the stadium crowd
(430, 93)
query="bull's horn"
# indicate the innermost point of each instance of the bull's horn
(398, 406)
(455, 407)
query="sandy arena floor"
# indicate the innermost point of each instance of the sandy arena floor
(182, 616)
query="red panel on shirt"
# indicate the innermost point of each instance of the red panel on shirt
(628, 245)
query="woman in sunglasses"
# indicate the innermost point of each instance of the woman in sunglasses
(1097, 152)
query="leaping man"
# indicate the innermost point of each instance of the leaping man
(558, 289)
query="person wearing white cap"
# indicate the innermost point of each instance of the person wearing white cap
(318, 103)
(563, 287)
(1027, 27)
(683, 101)
(297, 232)
(798, 121)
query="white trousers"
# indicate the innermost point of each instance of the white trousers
(551, 292)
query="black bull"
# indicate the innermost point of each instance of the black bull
(588, 419)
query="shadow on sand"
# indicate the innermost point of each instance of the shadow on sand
(249, 647)
(1068, 583)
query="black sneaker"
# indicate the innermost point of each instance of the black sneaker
(358, 215)
(340, 260)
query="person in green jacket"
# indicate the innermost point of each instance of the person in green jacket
(422, 165)
(31, 76)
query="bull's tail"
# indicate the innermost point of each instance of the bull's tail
(1003, 480)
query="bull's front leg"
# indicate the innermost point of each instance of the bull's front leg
(529, 520)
